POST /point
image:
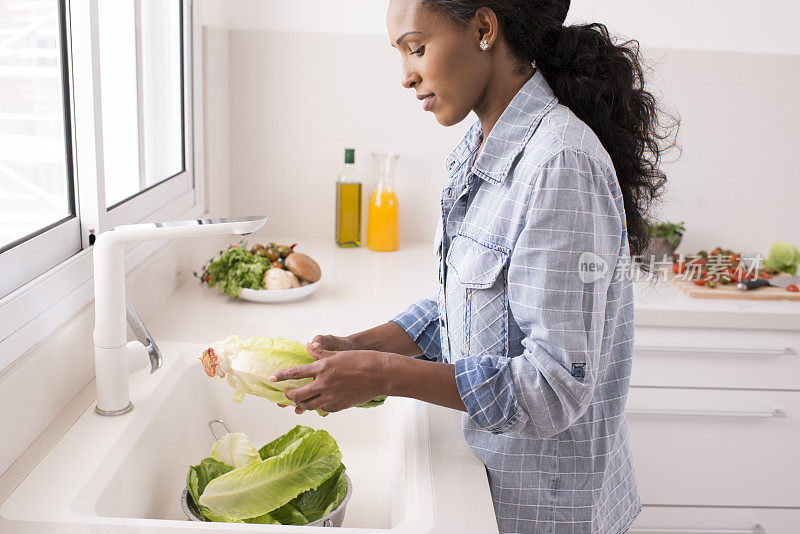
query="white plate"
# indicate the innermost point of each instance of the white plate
(278, 295)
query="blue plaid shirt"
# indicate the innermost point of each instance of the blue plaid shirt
(537, 318)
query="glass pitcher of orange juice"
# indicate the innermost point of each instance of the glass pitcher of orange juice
(382, 217)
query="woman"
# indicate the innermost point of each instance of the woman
(531, 330)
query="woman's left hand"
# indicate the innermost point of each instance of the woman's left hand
(342, 379)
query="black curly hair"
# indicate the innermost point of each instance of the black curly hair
(600, 81)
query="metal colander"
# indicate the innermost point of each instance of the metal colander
(333, 519)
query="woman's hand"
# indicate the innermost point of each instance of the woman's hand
(342, 379)
(333, 343)
(329, 343)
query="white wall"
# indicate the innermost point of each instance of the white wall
(216, 121)
(768, 26)
(723, 25)
(737, 183)
(298, 98)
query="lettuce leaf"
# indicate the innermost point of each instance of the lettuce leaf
(288, 514)
(260, 487)
(339, 493)
(235, 449)
(198, 478)
(321, 501)
(237, 268)
(278, 445)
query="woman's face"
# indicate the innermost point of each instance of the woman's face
(438, 57)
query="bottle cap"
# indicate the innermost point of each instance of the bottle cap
(349, 155)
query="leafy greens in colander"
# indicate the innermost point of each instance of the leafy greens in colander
(293, 480)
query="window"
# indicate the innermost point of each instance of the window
(37, 195)
(141, 130)
(142, 95)
(96, 131)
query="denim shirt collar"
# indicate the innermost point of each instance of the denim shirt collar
(508, 136)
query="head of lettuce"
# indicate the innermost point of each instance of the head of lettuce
(783, 256)
(247, 364)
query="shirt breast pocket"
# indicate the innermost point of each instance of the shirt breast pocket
(477, 298)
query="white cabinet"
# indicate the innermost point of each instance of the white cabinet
(715, 447)
(714, 422)
(716, 358)
(701, 520)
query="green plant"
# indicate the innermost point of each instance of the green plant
(672, 232)
(236, 268)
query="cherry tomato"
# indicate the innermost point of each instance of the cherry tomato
(272, 254)
(791, 287)
(678, 268)
(207, 279)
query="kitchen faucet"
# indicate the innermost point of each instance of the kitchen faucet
(114, 359)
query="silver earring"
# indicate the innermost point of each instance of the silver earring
(484, 45)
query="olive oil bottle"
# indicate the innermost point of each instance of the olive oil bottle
(348, 202)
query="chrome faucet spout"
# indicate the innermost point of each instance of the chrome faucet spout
(143, 335)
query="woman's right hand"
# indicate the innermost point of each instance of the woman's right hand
(329, 342)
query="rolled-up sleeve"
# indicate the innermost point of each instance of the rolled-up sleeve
(421, 322)
(572, 228)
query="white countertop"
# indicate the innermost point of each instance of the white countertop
(663, 304)
(361, 289)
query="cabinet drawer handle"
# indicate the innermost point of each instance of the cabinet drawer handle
(757, 529)
(709, 413)
(787, 351)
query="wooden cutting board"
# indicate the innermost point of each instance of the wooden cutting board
(730, 291)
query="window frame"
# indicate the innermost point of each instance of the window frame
(37, 308)
(25, 258)
(170, 197)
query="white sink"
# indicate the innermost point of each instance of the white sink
(131, 469)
